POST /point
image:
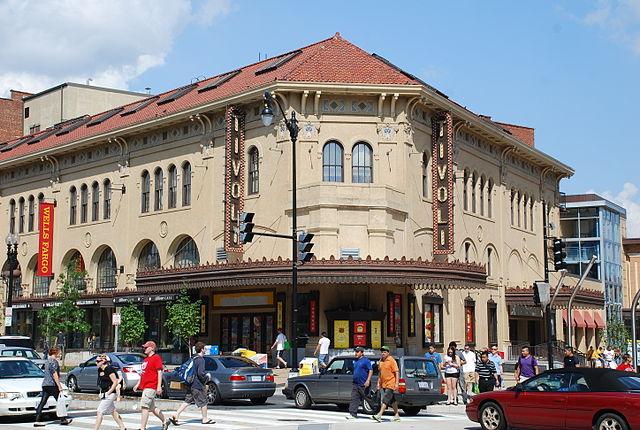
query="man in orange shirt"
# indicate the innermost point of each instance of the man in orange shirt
(388, 383)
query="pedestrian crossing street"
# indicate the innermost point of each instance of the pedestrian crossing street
(240, 418)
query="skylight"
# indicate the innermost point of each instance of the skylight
(175, 95)
(139, 106)
(279, 61)
(72, 125)
(218, 81)
(16, 144)
(105, 116)
(42, 136)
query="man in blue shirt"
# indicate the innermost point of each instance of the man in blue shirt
(437, 359)
(362, 372)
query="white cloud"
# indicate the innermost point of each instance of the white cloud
(46, 42)
(628, 198)
(619, 20)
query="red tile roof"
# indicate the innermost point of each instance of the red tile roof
(520, 132)
(332, 60)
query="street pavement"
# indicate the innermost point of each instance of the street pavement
(278, 412)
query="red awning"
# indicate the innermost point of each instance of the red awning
(577, 317)
(598, 319)
(565, 317)
(588, 319)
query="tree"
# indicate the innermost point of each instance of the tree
(183, 319)
(66, 316)
(133, 325)
(615, 334)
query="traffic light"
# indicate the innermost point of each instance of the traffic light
(541, 293)
(246, 227)
(304, 247)
(558, 254)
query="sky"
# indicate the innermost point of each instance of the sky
(570, 69)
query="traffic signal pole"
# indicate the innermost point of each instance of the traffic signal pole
(548, 316)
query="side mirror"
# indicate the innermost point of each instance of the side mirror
(81, 364)
(519, 387)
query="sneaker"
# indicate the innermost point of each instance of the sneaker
(65, 421)
(165, 424)
(351, 417)
(39, 424)
(376, 418)
(396, 418)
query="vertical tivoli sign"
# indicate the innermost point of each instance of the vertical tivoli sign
(45, 240)
(234, 178)
(442, 171)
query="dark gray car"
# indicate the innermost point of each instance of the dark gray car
(231, 377)
(420, 381)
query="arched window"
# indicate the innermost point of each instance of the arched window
(467, 248)
(145, 189)
(76, 271)
(482, 185)
(21, 215)
(106, 202)
(17, 280)
(12, 216)
(158, 183)
(254, 171)
(84, 203)
(32, 214)
(425, 175)
(40, 284)
(187, 254)
(362, 163)
(474, 185)
(186, 184)
(332, 162)
(95, 201)
(489, 261)
(73, 205)
(107, 269)
(513, 209)
(490, 199)
(518, 207)
(465, 191)
(525, 208)
(531, 225)
(149, 257)
(173, 186)
(40, 201)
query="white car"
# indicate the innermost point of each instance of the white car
(20, 387)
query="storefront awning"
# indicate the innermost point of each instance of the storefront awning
(598, 319)
(578, 319)
(588, 319)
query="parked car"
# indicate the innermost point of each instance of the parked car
(231, 377)
(420, 385)
(23, 341)
(28, 353)
(579, 398)
(20, 387)
(85, 376)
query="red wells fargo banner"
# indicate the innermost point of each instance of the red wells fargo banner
(45, 243)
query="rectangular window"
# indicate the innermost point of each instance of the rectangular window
(470, 322)
(411, 315)
(492, 322)
(72, 211)
(84, 207)
(26, 112)
(31, 221)
(432, 321)
(394, 316)
(107, 201)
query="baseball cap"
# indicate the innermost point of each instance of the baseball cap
(359, 349)
(150, 344)
(385, 348)
(105, 357)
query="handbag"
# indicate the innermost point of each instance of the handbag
(61, 406)
(476, 388)
(287, 345)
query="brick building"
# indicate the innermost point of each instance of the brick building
(11, 116)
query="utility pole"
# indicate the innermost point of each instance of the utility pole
(548, 316)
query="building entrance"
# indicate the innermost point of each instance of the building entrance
(251, 331)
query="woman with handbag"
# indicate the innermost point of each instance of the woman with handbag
(51, 387)
(108, 382)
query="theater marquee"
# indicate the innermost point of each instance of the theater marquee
(442, 172)
(234, 178)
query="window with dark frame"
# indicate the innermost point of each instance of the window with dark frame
(432, 321)
(26, 112)
(73, 205)
(106, 209)
(187, 254)
(107, 270)
(95, 201)
(254, 171)
(490, 199)
(469, 321)
(425, 175)
(492, 322)
(149, 257)
(84, 203)
(21, 215)
(40, 284)
(145, 188)
(362, 163)
(158, 185)
(40, 201)
(489, 262)
(332, 162)
(173, 186)
(465, 190)
(186, 184)
(12, 216)
(32, 214)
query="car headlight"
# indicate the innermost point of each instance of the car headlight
(9, 395)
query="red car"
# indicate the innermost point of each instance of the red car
(581, 398)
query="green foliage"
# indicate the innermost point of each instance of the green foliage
(183, 319)
(133, 325)
(66, 317)
(615, 334)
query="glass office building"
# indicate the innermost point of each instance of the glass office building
(593, 225)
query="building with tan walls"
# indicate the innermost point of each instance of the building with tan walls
(147, 198)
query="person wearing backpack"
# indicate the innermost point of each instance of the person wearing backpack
(195, 379)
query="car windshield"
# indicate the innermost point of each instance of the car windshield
(130, 358)
(235, 362)
(19, 369)
(630, 382)
(415, 368)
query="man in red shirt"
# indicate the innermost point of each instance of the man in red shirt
(151, 385)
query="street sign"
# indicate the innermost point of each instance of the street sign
(7, 321)
(116, 319)
(8, 316)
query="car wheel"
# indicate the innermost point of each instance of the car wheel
(259, 400)
(412, 411)
(343, 407)
(72, 384)
(491, 417)
(302, 398)
(611, 422)
(213, 394)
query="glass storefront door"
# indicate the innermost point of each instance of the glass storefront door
(252, 331)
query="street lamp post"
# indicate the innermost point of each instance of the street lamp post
(12, 258)
(292, 126)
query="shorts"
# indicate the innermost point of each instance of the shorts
(148, 399)
(323, 359)
(452, 375)
(107, 405)
(388, 396)
(196, 396)
(470, 377)
(279, 353)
